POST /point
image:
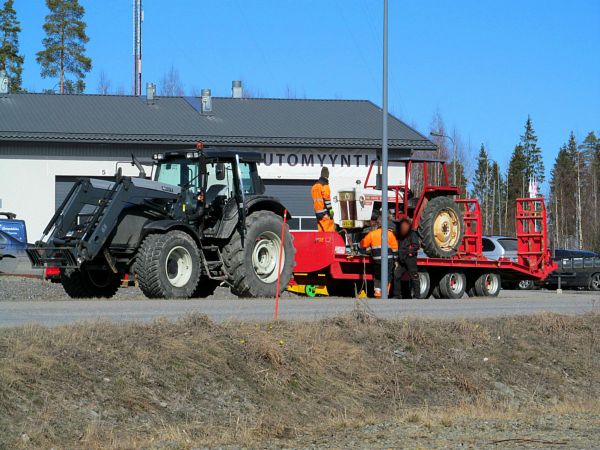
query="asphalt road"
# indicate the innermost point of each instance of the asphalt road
(58, 312)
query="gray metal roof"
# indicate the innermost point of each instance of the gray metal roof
(233, 122)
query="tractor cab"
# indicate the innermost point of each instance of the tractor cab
(212, 181)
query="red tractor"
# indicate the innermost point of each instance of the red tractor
(423, 194)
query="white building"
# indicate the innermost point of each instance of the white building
(47, 141)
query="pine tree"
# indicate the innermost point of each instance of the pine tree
(563, 203)
(533, 154)
(498, 187)
(589, 151)
(481, 187)
(516, 186)
(64, 44)
(10, 60)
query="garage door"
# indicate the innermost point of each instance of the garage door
(63, 185)
(295, 195)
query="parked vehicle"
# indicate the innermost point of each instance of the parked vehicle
(496, 247)
(11, 247)
(505, 247)
(577, 269)
(13, 226)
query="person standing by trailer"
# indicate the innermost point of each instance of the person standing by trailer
(406, 275)
(321, 197)
(372, 242)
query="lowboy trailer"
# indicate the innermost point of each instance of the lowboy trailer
(332, 260)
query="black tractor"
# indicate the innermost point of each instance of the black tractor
(202, 221)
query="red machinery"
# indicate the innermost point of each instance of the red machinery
(326, 259)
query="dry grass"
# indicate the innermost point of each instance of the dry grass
(193, 382)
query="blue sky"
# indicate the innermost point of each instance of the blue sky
(485, 65)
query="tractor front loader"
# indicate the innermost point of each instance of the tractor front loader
(204, 220)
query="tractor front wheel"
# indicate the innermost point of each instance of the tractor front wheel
(90, 283)
(253, 263)
(441, 227)
(168, 265)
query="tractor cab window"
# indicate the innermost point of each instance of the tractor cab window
(219, 181)
(248, 178)
(179, 172)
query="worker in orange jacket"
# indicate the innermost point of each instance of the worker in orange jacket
(372, 242)
(321, 197)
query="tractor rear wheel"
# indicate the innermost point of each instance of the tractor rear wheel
(168, 265)
(441, 227)
(253, 264)
(87, 283)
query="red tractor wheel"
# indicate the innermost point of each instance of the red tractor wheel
(441, 227)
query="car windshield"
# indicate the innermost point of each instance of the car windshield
(509, 245)
(179, 172)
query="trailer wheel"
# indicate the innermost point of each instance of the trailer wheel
(424, 286)
(84, 283)
(206, 287)
(486, 285)
(452, 285)
(441, 227)
(253, 265)
(168, 265)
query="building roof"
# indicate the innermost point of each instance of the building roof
(234, 122)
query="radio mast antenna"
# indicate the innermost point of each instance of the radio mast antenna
(138, 19)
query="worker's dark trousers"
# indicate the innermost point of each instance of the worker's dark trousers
(406, 279)
(377, 271)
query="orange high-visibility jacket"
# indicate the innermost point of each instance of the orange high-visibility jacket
(321, 196)
(373, 241)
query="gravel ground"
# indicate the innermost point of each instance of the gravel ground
(573, 431)
(13, 288)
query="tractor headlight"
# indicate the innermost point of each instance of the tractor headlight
(191, 155)
(158, 156)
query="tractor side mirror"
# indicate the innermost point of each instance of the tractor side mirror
(220, 171)
(379, 181)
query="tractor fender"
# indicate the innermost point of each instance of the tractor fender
(266, 203)
(166, 225)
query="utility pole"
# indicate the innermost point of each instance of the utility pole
(384, 161)
(138, 19)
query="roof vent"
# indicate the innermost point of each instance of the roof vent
(206, 101)
(3, 82)
(150, 93)
(236, 89)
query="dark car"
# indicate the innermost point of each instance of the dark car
(577, 269)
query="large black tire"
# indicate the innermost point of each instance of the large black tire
(595, 282)
(84, 283)
(441, 227)
(453, 285)
(425, 286)
(206, 287)
(486, 285)
(253, 266)
(168, 265)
